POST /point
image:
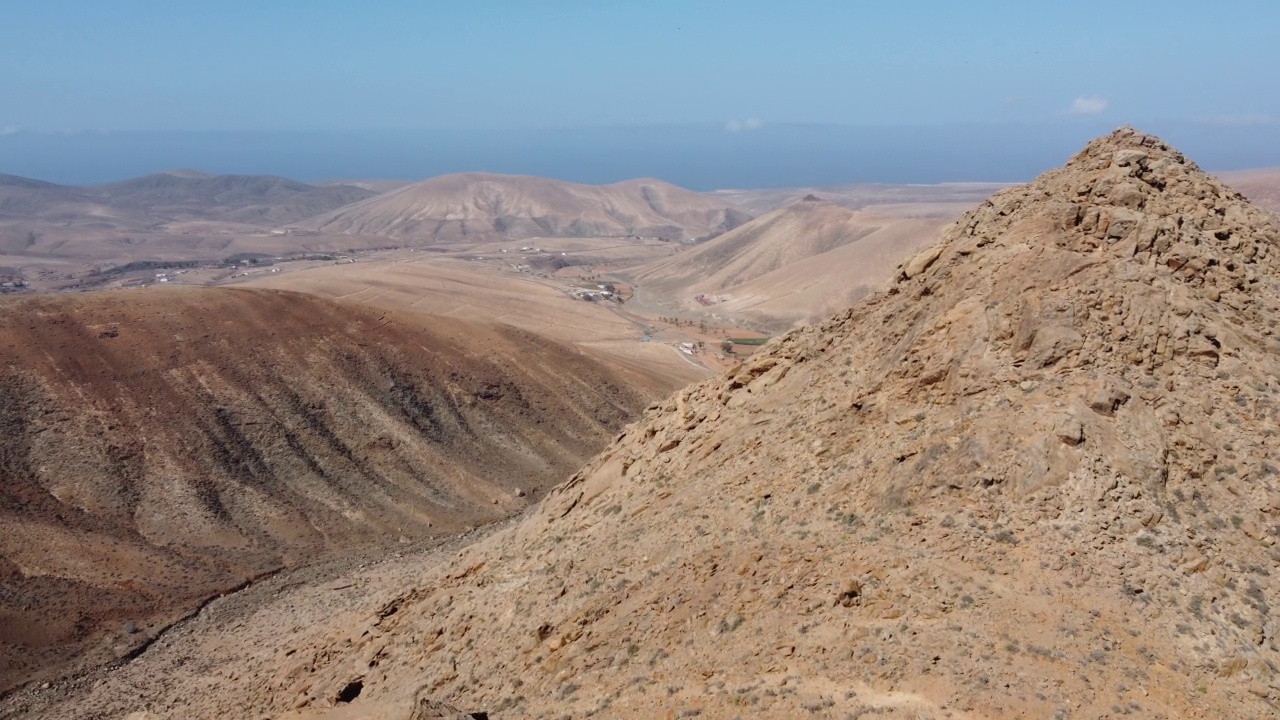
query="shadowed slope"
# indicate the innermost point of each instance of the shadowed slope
(158, 447)
(249, 199)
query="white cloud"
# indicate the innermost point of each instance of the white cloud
(1088, 105)
(744, 125)
(9, 130)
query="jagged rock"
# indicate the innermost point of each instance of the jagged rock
(920, 262)
(1069, 430)
(426, 709)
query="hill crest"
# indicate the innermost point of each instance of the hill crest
(159, 447)
(800, 262)
(469, 207)
(254, 199)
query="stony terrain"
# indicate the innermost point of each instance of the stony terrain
(1032, 479)
(481, 207)
(162, 446)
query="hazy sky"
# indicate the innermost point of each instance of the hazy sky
(362, 74)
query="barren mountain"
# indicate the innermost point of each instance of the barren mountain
(1032, 479)
(25, 198)
(943, 200)
(174, 196)
(475, 207)
(178, 215)
(1261, 186)
(251, 199)
(377, 186)
(802, 262)
(159, 447)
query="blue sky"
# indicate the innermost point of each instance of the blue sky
(362, 74)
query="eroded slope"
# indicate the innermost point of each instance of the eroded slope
(157, 447)
(799, 263)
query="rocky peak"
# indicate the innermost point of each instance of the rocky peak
(1131, 195)
(1088, 361)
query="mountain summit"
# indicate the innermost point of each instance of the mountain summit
(1033, 478)
(482, 207)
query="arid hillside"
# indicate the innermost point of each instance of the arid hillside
(945, 201)
(152, 201)
(26, 197)
(479, 207)
(249, 199)
(56, 237)
(158, 447)
(1261, 186)
(1032, 479)
(373, 185)
(799, 263)
(29, 209)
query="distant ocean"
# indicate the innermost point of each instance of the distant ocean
(697, 157)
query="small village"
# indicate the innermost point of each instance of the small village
(12, 284)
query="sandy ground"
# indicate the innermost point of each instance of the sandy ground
(505, 288)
